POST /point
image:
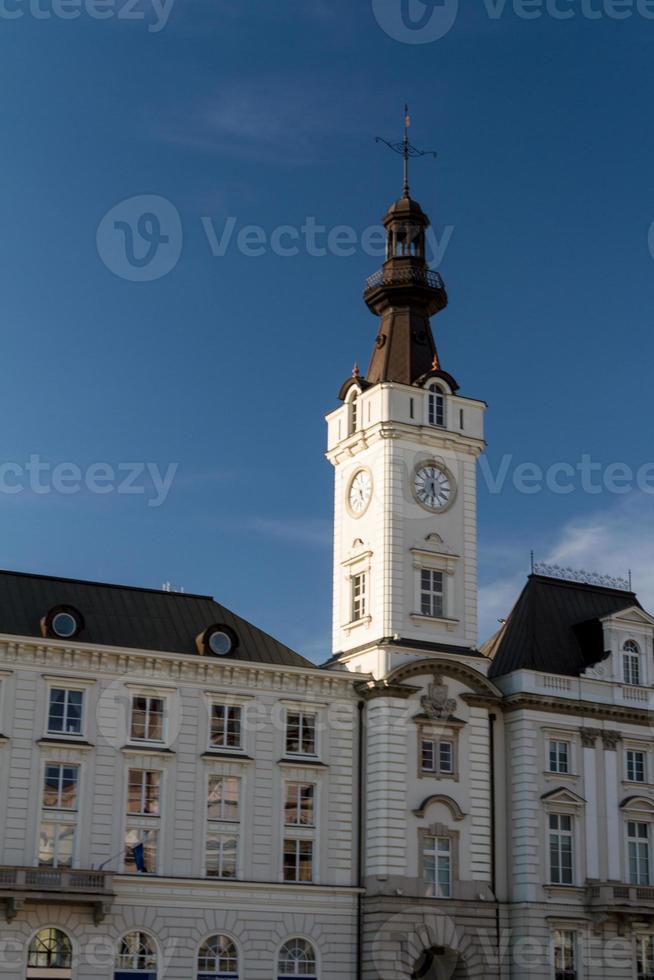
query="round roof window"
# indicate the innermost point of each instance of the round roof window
(64, 625)
(220, 643)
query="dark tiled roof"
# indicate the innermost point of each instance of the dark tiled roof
(124, 616)
(555, 627)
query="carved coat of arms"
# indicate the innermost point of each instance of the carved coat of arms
(435, 703)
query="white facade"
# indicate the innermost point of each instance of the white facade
(175, 902)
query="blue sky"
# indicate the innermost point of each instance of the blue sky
(266, 113)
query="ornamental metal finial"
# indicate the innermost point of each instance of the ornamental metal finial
(406, 149)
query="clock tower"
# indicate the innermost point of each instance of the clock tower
(404, 446)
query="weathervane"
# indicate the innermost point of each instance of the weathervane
(406, 149)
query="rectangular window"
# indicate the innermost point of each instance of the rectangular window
(300, 733)
(436, 407)
(223, 798)
(56, 844)
(565, 955)
(222, 855)
(359, 596)
(298, 806)
(143, 859)
(438, 756)
(60, 786)
(431, 593)
(645, 957)
(226, 727)
(147, 718)
(559, 756)
(635, 766)
(631, 665)
(638, 850)
(561, 851)
(144, 792)
(298, 861)
(437, 856)
(65, 712)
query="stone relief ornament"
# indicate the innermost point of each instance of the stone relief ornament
(436, 703)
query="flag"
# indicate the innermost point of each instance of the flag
(138, 852)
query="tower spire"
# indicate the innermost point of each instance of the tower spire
(407, 150)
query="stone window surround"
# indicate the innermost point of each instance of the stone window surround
(447, 731)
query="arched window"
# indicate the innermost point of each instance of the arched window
(50, 954)
(297, 959)
(218, 959)
(136, 958)
(436, 405)
(631, 663)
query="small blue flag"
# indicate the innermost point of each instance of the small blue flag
(139, 857)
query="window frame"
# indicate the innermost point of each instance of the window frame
(145, 973)
(64, 969)
(565, 970)
(638, 842)
(641, 939)
(300, 843)
(435, 853)
(554, 742)
(436, 405)
(280, 975)
(561, 834)
(224, 837)
(207, 974)
(149, 696)
(303, 713)
(300, 784)
(437, 738)
(68, 687)
(145, 771)
(631, 767)
(433, 594)
(359, 596)
(227, 706)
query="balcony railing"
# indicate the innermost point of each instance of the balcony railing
(632, 896)
(20, 885)
(405, 277)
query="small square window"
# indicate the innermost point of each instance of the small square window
(437, 755)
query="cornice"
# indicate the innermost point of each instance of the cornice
(588, 709)
(174, 668)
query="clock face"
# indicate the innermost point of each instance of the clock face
(434, 487)
(360, 492)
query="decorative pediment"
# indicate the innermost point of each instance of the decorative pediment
(562, 796)
(440, 666)
(452, 805)
(631, 614)
(637, 804)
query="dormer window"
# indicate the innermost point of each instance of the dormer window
(217, 641)
(62, 623)
(436, 405)
(631, 663)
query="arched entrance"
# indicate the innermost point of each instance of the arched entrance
(439, 963)
(50, 956)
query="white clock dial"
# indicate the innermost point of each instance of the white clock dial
(434, 487)
(360, 492)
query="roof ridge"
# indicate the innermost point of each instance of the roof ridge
(104, 585)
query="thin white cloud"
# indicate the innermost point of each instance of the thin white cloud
(612, 542)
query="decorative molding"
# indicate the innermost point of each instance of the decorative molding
(610, 740)
(582, 576)
(452, 805)
(589, 737)
(589, 709)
